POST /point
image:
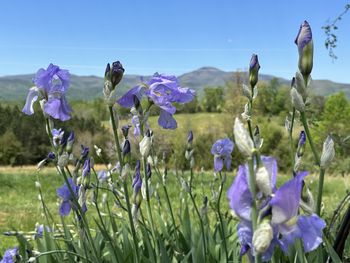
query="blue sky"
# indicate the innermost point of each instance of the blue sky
(168, 36)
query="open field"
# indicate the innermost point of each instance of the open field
(20, 206)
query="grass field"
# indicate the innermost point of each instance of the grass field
(21, 209)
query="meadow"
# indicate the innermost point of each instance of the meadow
(21, 208)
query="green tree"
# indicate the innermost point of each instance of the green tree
(213, 99)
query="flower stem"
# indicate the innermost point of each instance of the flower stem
(317, 159)
(126, 192)
(320, 191)
(223, 236)
(291, 139)
(254, 214)
(309, 137)
(199, 217)
(149, 213)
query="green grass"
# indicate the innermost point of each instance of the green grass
(21, 208)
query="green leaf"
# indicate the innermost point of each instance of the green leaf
(334, 256)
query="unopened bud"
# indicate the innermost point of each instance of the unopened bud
(257, 139)
(305, 48)
(263, 181)
(63, 160)
(247, 92)
(145, 146)
(70, 142)
(242, 138)
(254, 67)
(262, 237)
(328, 152)
(297, 100)
(116, 73)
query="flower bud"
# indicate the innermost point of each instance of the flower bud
(246, 113)
(242, 138)
(297, 100)
(70, 142)
(192, 163)
(328, 152)
(301, 144)
(113, 75)
(254, 67)
(116, 73)
(84, 151)
(98, 151)
(37, 184)
(305, 49)
(63, 160)
(262, 237)
(148, 171)
(257, 139)
(125, 130)
(299, 84)
(247, 92)
(263, 181)
(145, 146)
(190, 137)
(125, 172)
(126, 148)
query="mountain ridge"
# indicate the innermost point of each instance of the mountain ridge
(15, 88)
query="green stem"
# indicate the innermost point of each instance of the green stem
(317, 159)
(126, 192)
(223, 236)
(291, 139)
(254, 214)
(80, 213)
(100, 216)
(148, 206)
(199, 217)
(309, 137)
(320, 191)
(62, 252)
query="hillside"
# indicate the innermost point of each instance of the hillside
(14, 88)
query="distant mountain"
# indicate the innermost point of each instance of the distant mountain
(14, 88)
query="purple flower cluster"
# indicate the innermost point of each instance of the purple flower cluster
(10, 255)
(67, 198)
(52, 84)
(163, 91)
(222, 150)
(280, 210)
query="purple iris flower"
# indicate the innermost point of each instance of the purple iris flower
(285, 205)
(67, 199)
(52, 84)
(162, 90)
(10, 255)
(283, 209)
(222, 150)
(137, 182)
